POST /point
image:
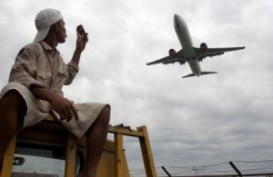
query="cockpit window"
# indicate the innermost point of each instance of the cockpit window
(178, 27)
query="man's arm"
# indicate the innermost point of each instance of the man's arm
(82, 39)
(64, 107)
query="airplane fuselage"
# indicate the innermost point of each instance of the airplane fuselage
(190, 54)
(184, 37)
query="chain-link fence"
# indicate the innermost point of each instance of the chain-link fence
(226, 169)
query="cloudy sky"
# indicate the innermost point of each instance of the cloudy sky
(192, 121)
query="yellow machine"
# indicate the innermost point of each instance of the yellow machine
(47, 150)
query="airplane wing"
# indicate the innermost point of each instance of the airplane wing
(225, 49)
(214, 51)
(179, 57)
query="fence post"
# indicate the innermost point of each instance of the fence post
(165, 170)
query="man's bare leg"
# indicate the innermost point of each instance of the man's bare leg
(12, 110)
(96, 138)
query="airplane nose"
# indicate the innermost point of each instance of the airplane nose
(176, 18)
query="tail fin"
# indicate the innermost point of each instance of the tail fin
(202, 73)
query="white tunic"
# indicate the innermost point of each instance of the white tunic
(37, 64)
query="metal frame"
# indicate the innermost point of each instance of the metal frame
(120, 163)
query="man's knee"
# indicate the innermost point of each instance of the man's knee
(13, 101)
(107, 109)
(12, 97)
(105, 114)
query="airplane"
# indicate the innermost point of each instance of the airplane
(190, 54)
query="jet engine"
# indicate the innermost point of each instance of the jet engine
(172, 53)
(203, 47)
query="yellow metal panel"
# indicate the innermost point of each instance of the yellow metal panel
(147, 153)
(127, 132)
(125, 169)
(106, 165)
(118, 154)
(8, 158)
(70, 161)
(113, 161)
